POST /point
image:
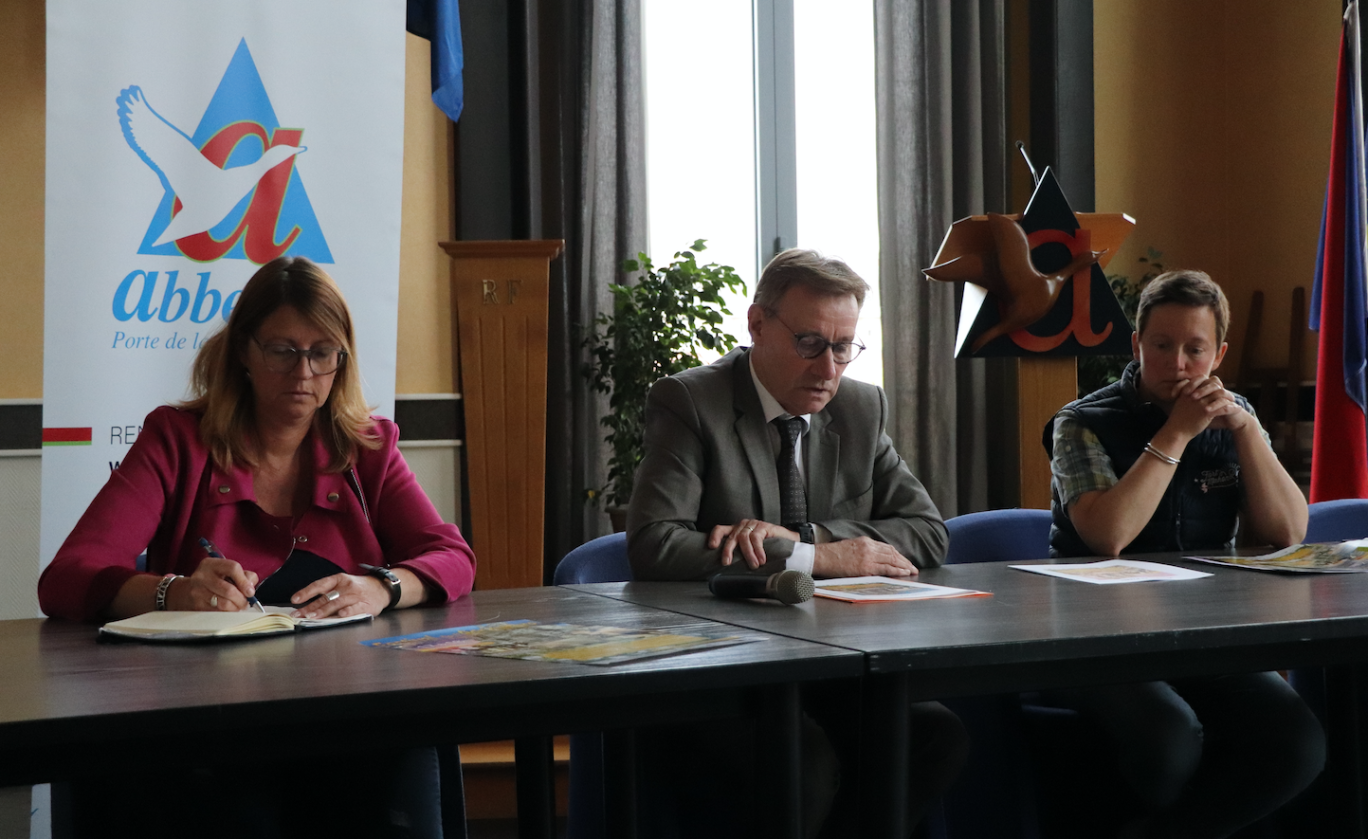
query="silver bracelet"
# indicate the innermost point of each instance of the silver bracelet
(1171, 461)
(163, 588)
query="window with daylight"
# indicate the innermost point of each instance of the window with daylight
(760, 132)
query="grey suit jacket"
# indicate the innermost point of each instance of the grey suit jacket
(709, 461)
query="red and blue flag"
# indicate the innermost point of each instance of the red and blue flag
(1339, 457)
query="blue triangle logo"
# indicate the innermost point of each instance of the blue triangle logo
(238, 126)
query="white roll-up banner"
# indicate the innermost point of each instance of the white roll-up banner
(188, 144)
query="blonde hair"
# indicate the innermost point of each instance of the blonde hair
(223, 393)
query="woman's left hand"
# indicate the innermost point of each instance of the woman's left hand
(343, 595)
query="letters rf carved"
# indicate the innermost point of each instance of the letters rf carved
(489, 292)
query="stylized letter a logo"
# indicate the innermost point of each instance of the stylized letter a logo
(232, 189)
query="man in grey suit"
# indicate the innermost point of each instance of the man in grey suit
(765, 461)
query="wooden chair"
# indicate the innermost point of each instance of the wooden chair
(1269, 378)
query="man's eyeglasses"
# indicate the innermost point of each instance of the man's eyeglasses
(811, 345)
(281, 358)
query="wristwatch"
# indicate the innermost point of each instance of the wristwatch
(807, 533)
(389, 578)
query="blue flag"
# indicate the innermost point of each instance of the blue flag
(439, 21)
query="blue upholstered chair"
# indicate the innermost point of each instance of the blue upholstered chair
(999, 535)
(998, 766)
(602, 560)
(1329, 521)
(1338, 521)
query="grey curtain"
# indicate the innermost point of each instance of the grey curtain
(577, 78)
(613, 226)
(942, 155)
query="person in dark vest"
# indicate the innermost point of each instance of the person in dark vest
(1167, 459)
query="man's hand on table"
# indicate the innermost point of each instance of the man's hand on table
(749, 535)
(862, 557)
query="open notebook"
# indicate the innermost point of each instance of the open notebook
(190, 626)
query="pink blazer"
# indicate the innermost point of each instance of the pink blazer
(167, 494)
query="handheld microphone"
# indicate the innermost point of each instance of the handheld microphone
(788, 587)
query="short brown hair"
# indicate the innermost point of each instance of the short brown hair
(223, 393)
(1185, 288)
(797, 266)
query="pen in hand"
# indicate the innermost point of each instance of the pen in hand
(214, 552)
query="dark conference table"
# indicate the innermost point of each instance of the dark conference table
(1038, 632)
(71, 705)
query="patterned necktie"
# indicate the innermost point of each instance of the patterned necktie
(792, 493)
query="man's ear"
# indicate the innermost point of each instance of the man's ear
(755, 318)
(1135, 345)
(1220, 355)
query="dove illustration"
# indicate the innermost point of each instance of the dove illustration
(1023, 294)
(206, 193)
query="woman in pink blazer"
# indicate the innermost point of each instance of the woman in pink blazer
(275, 454)
(275, 458)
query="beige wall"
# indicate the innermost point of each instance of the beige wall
(1213, 131)
(23, 51)
(424, 352)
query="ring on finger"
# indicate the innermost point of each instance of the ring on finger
(331, 596)
(213, 601)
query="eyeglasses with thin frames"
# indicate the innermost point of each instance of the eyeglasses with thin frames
(810, 345)
(281, 358)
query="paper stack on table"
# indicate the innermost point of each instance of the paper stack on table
(1112, 571)
(885, 589)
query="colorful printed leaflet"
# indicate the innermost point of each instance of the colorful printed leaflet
(532, 641)
(1113, 571)
(1330, 558)
(884, 589)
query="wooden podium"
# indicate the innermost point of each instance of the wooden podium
(499, 293)
(1044, 385)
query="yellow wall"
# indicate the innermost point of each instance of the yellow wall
(424, 352)
(1213, 131)
(23, 51)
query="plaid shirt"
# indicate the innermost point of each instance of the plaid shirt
(1081, 463)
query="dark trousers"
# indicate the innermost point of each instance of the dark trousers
(385, 795)
(1204, 757)
(703, 779)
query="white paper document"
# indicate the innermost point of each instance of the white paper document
(883, 589)
(1112, 571)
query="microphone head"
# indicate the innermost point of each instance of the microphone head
(792, 587)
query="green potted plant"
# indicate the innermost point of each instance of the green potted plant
(657, 327)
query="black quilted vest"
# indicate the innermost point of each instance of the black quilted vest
(1201, 506)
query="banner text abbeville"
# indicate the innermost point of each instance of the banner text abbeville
(144, 295)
